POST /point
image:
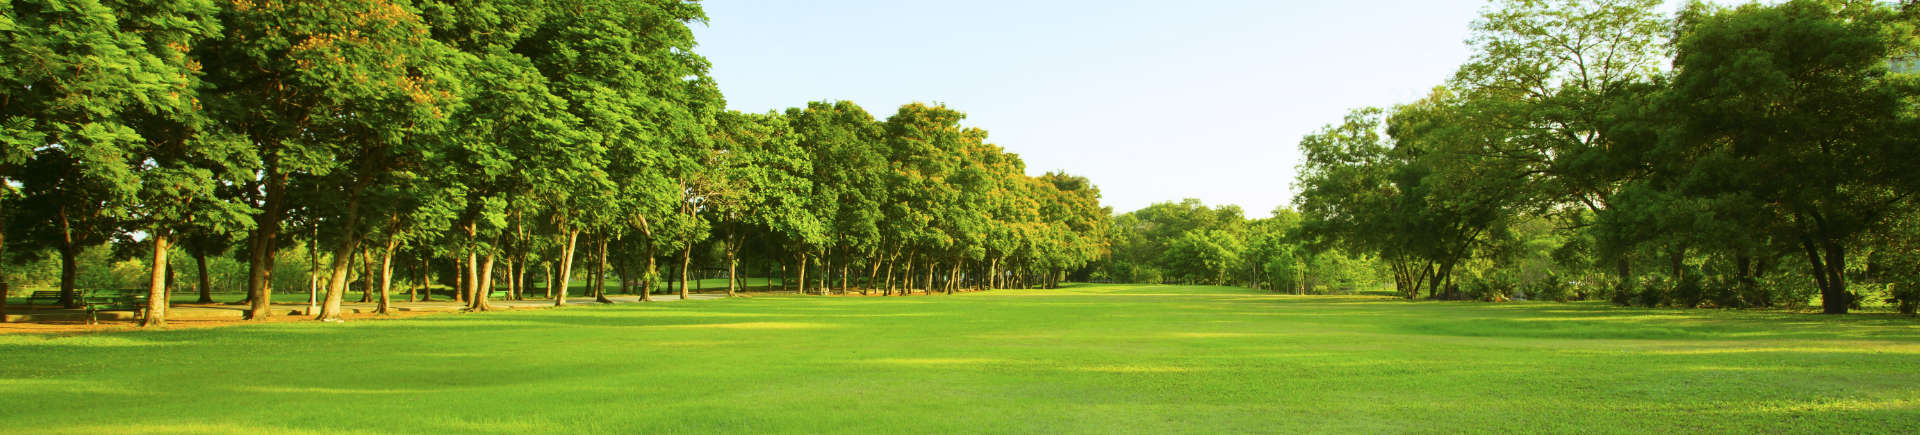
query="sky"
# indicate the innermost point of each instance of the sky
(1154, 101)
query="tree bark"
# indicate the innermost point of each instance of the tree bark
(313, 274)
(930, 271)
(566, 268)
(993, 274)
(872, 273)
(733, 272)
(462, 283)
(686, 261)
(206, 284)
(69, 259)
(625, 272)
(953, 277)
(906, 276)
(1830, 274)
(342, 261)
(825, 269)
(366, 274)
(801, 268)
(264, 242)
(483, 283)
(157, 283)
(891, 260)
(425, 285)
(600, 274)
(652, 274)
(386, 276)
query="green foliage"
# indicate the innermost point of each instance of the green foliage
(451, 136)
(1561, 151)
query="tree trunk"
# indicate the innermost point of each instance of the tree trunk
(508, 263)
(263, 243)
(206, 284)
(600, 274)
(366, 274)
(386, 276)
(342, 261)
(686, 262)
(313, 275)
(652, 274)
(872, 273)
(566, 268)
(625, 272)
(483, 283)
(425, 285)
(801, 268)
(733, 273)
(157, 283)
(930, 271)
(906, 276)
(462, 284)
(953, 278)
(1623, 271)
(1829, 274)
(993, 274)
(69, 270)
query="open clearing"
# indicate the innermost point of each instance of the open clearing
(1081, 359)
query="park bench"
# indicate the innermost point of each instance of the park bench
(114, 301)
(35, 298)
(498, 295)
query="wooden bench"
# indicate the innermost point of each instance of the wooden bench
(114, 301)
(49, 295)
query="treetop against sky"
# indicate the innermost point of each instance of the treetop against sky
(1154, 101)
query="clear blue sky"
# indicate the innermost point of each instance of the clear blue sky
(1154, 101)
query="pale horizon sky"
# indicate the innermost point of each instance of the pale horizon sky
(1153, 101)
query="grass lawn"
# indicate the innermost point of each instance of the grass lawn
(1083, 359)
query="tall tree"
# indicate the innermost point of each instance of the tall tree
(1803, 87)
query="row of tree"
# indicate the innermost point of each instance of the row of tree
(1726, 156)
(494, 137)
(1189, 242)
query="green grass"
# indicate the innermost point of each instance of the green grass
(1083, 359)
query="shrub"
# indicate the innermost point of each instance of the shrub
(1688, 292)
(1725, 292)
(1623, 293)
(1554, 289)
(1653, 291)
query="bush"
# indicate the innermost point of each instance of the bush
(1624, 294)
(1554, 289)
(1653, 292)
(1906, 297)
(1725, 293)
(1688, 292)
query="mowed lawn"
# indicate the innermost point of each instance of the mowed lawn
(1081, 359)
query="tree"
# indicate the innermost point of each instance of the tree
(848, 169)
(1802, 87)
(111, 103)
